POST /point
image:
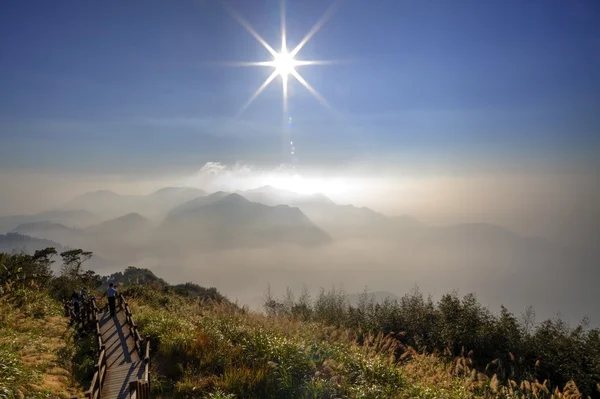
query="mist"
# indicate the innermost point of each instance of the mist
(512, 240)
(559, 206)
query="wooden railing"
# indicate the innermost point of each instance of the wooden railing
(83, 320)
(88, 319)
(139, 389)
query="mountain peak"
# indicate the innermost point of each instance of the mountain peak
(218, 194)
(132, 217)
(233, 198)
(130, 220)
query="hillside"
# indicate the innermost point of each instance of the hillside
(109, 204)
(35, 343)
(75, 217)
(223, 220)
(132, 223)
(19, 242)
(203, 346)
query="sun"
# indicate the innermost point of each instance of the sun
(284, 62)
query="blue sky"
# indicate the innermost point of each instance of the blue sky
(128, 87)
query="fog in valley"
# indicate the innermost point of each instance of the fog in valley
(512, 241)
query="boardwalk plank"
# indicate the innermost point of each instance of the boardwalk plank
(122, 360)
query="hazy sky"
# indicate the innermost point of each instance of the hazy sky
(128, 87)
(466, 107)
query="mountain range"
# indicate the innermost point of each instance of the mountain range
(184, 218)
(231, 220)
(109, 204)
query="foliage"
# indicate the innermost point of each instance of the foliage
(137, 277)
(73, 277)
(40, 356)
(133, 276)
(19, 269)
(33, 334)
(206, 347)
(498, 345)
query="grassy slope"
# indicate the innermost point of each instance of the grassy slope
(35, 343)
(216, 350)
(219, 351)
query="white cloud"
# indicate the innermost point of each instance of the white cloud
(215, 176)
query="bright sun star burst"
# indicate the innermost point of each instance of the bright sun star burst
(284, 62)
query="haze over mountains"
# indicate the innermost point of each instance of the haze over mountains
(241, 241)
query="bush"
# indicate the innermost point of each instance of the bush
(499, 345)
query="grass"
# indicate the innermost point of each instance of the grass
(216, 350)
(33, 335)
(206, 347)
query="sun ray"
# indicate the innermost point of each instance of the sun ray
(285, 93)
(283, 28)
(241, 63)
(316, 62)
(284, 61)
(258, 91)
(251, 30)
(316, 27)
(308, 87)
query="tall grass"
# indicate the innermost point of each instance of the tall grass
(210, 349)
(33, 335)
(500, 347)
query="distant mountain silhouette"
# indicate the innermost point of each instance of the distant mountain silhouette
(482, 236)
(104, 202)
(40, 226)
(223, 220)
(12, 242)
(75, 218)
(341, 221)
(197, 202)
(130, 227)
(156, 204)
(272, 196)
(170, 192)
(130, 223)
(52, 231)
(15, 242)
(188, 218)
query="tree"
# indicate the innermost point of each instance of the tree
(42, 260)
(73, 277)
(72, 262)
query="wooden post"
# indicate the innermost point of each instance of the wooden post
(133, 385)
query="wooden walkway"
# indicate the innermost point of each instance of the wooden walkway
(122, 359)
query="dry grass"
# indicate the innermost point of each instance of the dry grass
(222, 350)
(34, 339)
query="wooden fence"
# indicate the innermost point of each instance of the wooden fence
(139, 389)
(88, 319)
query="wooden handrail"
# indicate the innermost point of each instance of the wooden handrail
(139, 389)
(147, 351)
(88, 318)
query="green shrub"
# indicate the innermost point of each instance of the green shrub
(499, 345)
